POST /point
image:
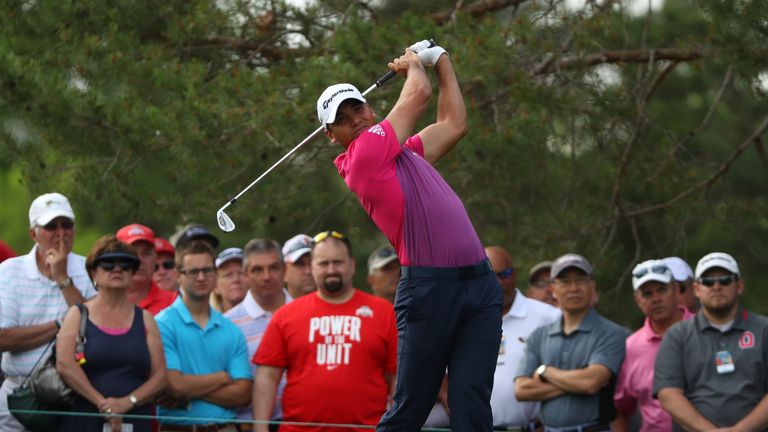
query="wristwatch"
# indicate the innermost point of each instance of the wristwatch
(66, 284)
(540, 370)
(133, 400)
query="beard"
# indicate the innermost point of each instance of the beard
(334, 285)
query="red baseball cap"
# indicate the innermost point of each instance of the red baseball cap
(164, 246)
(132, 233)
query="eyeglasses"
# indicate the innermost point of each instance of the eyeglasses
(110, 265)
(168, 265)
(65, 225)
(506, 273)
(658, 269)
(324, 235)
(723, 280)
(193, 273)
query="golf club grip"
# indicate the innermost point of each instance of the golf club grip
(388, 76)
(384, 78)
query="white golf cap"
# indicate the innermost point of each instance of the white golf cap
(296, 247)
(48, 207)
(681, 271)
(568, 261)
(229, 254)
(381, 257)
(648, 271)
(332, 97)
(717, 259)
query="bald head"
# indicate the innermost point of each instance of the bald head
(501, 262)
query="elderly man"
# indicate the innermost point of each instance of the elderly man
(205, 353)
(164, 276)
(298, 271)
(384, 272)
(265, 273)
(230, 280)
(571, 365)
(521, 316)
(657, 296)
(35, 292)
(539, 284)
(144, 292)
(338, 347)
(683, 277)
(712, 371)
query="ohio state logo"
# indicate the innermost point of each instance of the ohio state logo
(747, 340)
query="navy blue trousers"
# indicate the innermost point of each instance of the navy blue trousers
(446, 318)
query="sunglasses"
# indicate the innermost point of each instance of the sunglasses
(52, 226)
(110, 265)
(506, 273)
(168, 265)
(658, 269)
(724, 280)
(325, 234)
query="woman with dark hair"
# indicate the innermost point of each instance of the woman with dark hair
(123, 368)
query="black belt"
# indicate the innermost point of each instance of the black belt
(465, 272)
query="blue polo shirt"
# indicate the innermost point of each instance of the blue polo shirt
(189, 349)
(596, 341)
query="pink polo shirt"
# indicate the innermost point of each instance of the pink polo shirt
(634, 386)
(409, 200)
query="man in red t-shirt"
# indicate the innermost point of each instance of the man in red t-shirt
(338, 347)
(144, 292)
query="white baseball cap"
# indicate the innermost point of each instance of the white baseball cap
(296, 247)
(681, 271)
(48, 207)
(328, 102)
(651, 270)
(717, 259)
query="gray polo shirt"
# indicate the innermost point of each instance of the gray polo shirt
(596, 341)
(686, 360)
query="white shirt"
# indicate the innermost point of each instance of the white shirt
(525, 316)
(28, 298)
(252, 319)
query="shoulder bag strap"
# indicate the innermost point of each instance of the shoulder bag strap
(80, 339)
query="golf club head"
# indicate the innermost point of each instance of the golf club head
(225, 222)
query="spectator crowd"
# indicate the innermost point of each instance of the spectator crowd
(275, 335)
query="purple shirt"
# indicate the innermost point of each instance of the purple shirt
(408, 200)
(634, 386)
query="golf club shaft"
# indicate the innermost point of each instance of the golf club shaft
(379, 82)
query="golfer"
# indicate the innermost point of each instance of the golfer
(448, 301)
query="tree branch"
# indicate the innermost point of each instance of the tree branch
(624, 56)
(476, 9)
(707, 117)
(724, 167)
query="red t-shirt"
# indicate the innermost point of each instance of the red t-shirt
(157, 299)
(335, 356)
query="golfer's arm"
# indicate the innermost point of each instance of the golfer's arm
(588, 380)
(413, 101)
(451, 125)
(682, 411)
(530, 389)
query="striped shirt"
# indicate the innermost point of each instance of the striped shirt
(28, 298)
(253, 320)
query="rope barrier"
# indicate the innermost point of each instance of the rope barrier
(206, 420)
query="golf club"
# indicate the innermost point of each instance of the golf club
(225, 222)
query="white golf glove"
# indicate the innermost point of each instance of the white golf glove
(427, 55)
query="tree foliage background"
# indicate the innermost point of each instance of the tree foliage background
(622, 136)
